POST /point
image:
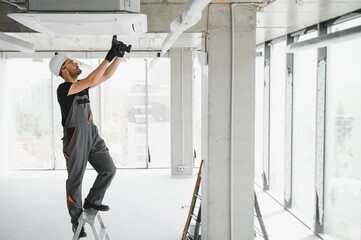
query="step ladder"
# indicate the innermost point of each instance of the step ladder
(89, 216)
(186, 234)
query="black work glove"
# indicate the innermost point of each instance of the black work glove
(121, 49)
(112, 53)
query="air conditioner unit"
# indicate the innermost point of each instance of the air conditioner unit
(85, 5)
(84, 17)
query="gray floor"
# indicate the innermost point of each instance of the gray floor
(145, 205)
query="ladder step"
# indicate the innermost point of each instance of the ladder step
(199, 196)
(194, 216)
(89, 216)
(189, 236)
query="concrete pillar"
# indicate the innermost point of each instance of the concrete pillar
(228, 173)
(4, 147)
(181, 113)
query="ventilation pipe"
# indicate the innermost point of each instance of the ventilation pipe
(190, 15)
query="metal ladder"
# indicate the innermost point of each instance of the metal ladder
(186, 234)
(191, 215)
(89, 216)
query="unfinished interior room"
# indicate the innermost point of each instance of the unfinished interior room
(180, 119)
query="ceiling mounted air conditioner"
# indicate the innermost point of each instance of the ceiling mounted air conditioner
(84, 17)
(85, 5)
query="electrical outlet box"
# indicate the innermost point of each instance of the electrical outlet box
(183, 168)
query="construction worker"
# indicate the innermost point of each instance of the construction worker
(81, 141)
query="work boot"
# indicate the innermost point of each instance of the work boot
(101, 207)
(82, 232)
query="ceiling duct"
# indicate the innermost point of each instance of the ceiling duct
(84, 17)
(16, 44)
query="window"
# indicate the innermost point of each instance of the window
(304, 132)
(125, 121)
(159, 114)
(259, 117)
(122, 114)
(277, 119)
(343, 134)
(133, 119)
(30, 130)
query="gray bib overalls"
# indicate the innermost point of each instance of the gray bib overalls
(82, 143)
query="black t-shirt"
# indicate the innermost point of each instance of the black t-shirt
(67, 101)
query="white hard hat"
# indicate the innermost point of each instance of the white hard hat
(56, 62)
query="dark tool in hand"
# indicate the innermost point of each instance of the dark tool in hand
(121, 47)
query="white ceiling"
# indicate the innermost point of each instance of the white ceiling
(287, 16)
(275, 20)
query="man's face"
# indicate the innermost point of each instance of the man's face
(72, 67)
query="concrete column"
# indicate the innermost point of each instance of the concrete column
(228, 174)
(181, 113)
(4, 147)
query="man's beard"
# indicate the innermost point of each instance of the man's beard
(76, 73)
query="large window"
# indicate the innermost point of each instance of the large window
(258, 150)
(136, 114)
(159, 114)
(30, 120)
(132, 111)
(304, 132)
(343, 137)
(277, 119)
(123, 123)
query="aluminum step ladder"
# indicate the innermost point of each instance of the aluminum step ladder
(89, 216)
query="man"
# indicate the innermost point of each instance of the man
(81, 141)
